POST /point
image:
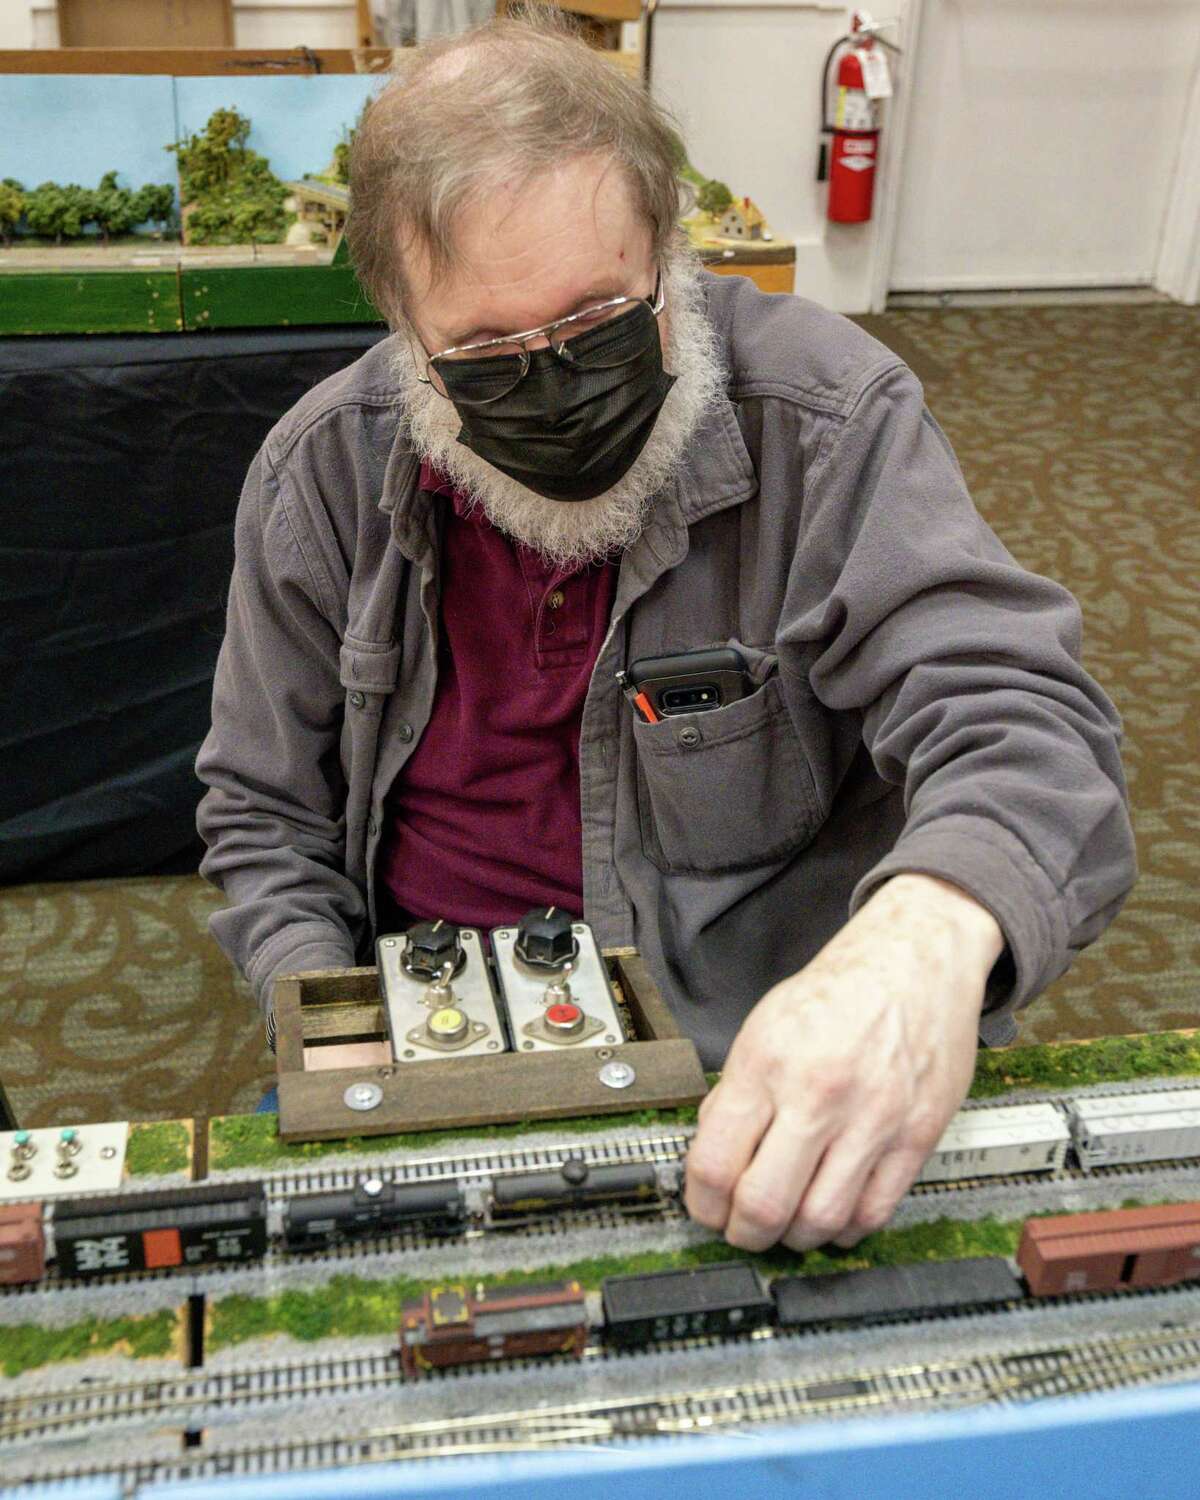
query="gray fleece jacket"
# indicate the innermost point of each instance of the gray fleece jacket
(918, 698)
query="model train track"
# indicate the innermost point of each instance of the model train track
(667, 1147)
(36, 1415)
(1085, 1091)
(1092, 1365)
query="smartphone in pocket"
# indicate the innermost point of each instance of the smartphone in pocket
(691, 682)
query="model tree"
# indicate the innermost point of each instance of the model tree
(12, 206)
(228, 192)
(155, 204)
(57, 212)
(714, 198)
(341, 159)
(114, 209)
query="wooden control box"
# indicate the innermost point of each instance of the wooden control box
(337, 1077)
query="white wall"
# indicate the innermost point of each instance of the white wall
(744, 82)
(1044, 141)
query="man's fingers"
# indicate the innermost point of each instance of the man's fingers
(769, 1190)
(831, 1202)
(725, 1141)
(894, 1174)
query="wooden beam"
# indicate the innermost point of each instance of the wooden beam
(512, 1089)
(224, 62)
(650, 1011)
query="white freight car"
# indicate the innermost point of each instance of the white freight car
(1136, 1127)
(995, 1142)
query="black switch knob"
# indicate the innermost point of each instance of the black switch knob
(545, 939)
(429, 945)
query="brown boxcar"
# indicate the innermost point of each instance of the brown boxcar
(22, 1243)
(1102, 1252)
(457, 1324)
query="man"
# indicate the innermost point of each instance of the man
(577, 450)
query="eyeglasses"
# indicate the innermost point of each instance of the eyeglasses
(478, 374)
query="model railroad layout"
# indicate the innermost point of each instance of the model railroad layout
(1088, 1365)
(215, 1223)
(331, 1212)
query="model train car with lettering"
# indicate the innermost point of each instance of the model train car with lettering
(1112, 1129)
(1097, 1131)
(1072, 1253)
(313, 1221)
(1108, 1251)
(459, 1324)
(220, 1223)
(1001, 1141)
(373, 1207)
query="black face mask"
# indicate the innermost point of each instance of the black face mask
(574, 425)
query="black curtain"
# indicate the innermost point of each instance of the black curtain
(121, 462)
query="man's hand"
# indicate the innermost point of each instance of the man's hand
(844, 1076)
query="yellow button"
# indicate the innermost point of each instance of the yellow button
(557, 599)
(447, 1024)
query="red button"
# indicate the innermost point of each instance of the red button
(564, 1017)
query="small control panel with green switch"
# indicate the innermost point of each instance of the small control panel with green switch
(61, 1160)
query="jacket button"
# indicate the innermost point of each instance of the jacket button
(689, 736)
(404, 730)
(357, 699)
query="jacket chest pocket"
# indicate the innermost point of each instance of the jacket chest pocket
(724, 790)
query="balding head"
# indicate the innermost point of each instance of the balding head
(494, 109)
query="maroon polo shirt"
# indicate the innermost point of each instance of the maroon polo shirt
(483, 822)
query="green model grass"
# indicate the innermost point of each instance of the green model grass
(1107, 1059)
(253, 1140)
(157, 1148)
(348, 1305)
(24, 1346)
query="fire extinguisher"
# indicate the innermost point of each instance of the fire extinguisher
(850, 163)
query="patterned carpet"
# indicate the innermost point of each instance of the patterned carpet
(1078, 429)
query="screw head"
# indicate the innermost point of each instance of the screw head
(616, 1075)
(363, 1096)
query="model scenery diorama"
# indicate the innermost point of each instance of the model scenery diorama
(376, 1269)
(227, 212)
(369, 1269)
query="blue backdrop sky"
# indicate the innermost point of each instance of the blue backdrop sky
(76, 127)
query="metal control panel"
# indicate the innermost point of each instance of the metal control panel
(62, 1161)
(438, 995)
(566, 1002)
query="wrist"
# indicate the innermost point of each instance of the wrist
(977, 934)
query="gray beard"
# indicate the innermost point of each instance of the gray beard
(570, 534)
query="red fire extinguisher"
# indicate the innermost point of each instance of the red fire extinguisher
(854, 130)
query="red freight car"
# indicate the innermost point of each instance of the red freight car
(1102, 1252)
(22, 1243)
(457, 1325)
